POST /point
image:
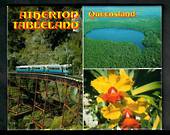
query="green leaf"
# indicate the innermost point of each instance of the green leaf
(156, 123)
(131, 74)
(146, 88)
(101, 72)
(56, 123)
(101, 104)
(157, 94)
(95, 74)
(48, 122)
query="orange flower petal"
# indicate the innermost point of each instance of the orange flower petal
(129, 123)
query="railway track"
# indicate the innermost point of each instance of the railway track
(52, 77)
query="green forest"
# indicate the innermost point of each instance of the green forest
(104, 53)
(36, 47)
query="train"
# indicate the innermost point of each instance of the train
(65, 69)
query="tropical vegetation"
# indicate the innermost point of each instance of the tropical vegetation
(122, 99)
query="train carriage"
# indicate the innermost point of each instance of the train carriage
(49, 69)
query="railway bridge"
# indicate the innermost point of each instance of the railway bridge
(45, 96)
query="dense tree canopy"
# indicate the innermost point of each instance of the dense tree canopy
(29, 47)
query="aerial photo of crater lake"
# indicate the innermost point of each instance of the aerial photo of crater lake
(123, 42)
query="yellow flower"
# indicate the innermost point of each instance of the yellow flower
(102, 83)
(110, 112)
(139, 107)
(121, 82)
(142, 106)
(129, 100)
(147, 117)
(125, 83)
(142, 101)
(99, 100)
(112, 125)
(140, 110)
